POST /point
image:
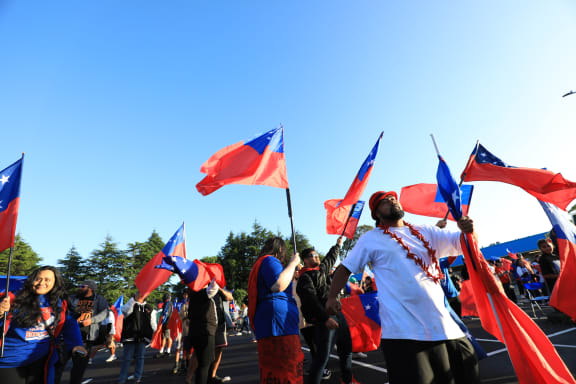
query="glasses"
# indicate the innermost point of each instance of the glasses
(82, 286)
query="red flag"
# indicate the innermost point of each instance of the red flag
(151, 277)
(175, 324)
(467, 300)
(156, 342)
(511, 255)
(562, 296)
(337, 211)
(425, 199)
(533, 356)
(116, 308)
(10, 178)
(216, 271)
(259, 161)
(544, 185)
(361, 313)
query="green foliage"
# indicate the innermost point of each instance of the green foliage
(73, 268)
(107, 266)
(24, 259)
(301, 243)
(239, 295)
(210, 259)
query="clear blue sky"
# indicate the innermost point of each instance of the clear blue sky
(117, 104)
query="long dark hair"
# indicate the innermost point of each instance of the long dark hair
(276, 247)
(26, 306)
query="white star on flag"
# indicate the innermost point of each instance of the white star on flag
(4, 179)
(368, 307)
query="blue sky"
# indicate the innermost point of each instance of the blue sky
(117, 104)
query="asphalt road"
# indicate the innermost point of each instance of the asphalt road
(240, 359)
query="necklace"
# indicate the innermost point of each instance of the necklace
(412, 256)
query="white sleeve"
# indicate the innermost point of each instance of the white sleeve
(359, 256)
(153, 320)
(128, 307)
(212, 289)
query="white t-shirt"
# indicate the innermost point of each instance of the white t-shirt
(411, 304)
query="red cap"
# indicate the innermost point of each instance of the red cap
(377, 197)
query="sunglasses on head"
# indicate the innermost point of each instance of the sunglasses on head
(82, 286)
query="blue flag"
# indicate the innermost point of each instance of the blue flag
(449, 189)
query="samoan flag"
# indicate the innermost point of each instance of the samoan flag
(259, 161)
(338, 210)
(10, 178)
(449, 189)
(353, 221)
(194, 274)
(150, 277)
(562, 296)
(533, 356)
(543, 184)
(363, 318)
(427, 200)
(511, 254)
(118, 317)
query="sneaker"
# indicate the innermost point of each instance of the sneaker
(131, 377)
(166, 354)
(238, 333)
(218, 379)
(326, 374)
(359, 355)
(90, 361)
(111, 358)
(89, 380)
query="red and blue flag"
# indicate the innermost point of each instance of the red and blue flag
(562, 296)
(150, 277)
(259, 161)
(118, 317)
(338, 210)
(543, 184)
(426, 200)
(10, 178)
(194, 274)
(533, 356)
(363, 318)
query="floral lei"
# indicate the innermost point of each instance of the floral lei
(417, 259)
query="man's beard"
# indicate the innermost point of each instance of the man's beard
(396, 213)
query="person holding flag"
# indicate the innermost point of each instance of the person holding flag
(312, 288)
(420, 340)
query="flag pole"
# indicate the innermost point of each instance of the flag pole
(8, 276)
(348, 219)
(7, 290)
(289, 201)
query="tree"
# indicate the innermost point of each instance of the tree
(24, 259)
(138, 255)
(108, 266)
(73, 268)
(302, 243)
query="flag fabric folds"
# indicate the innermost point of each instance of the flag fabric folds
(361, 313)
(150, 277)
(543, 184)
(118, 317)
(426, 200)
(194, 274)
(562, 296)
(533, 356)
(216, 271)
(259, 161)
(10, 178)
(337, 211)
(511, 254)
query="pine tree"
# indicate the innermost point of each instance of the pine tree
(73, 268)
(107, 266)
(24, 259)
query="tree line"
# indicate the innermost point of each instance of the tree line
(114, 269)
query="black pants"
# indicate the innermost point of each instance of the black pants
(30, 374)
(424, 362)
(79, 365)
(204, 351)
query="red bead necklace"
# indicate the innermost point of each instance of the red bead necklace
(412, 256)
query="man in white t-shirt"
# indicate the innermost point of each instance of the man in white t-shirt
(420, 341)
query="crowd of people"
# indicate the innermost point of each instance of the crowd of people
(289, 296)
